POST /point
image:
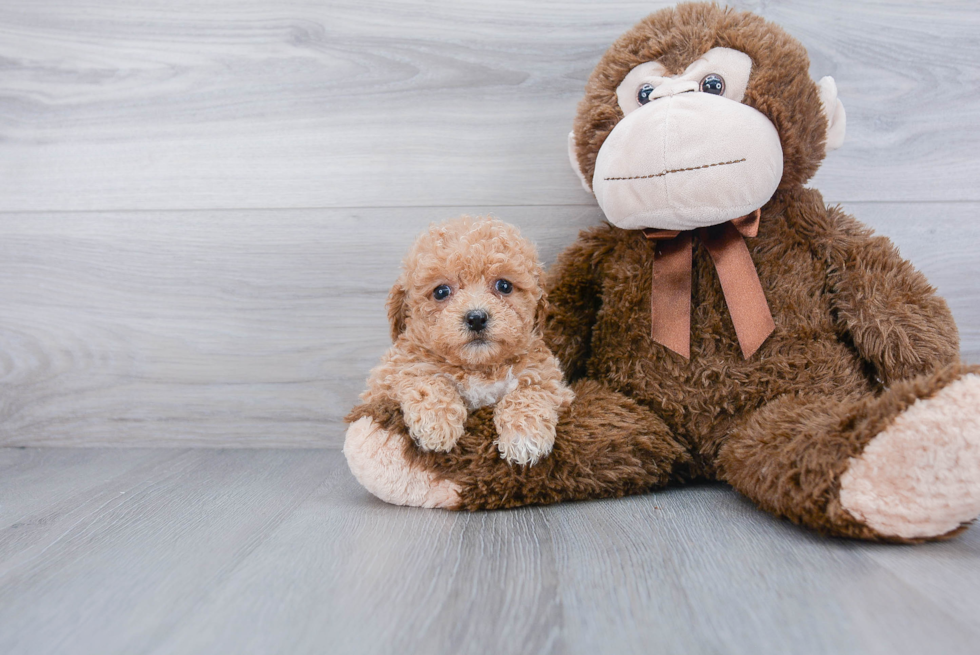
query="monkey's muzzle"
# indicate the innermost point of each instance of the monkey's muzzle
(687, 161)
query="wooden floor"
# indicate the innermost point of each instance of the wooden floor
(156, 551)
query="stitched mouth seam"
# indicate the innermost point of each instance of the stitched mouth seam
(676, 170)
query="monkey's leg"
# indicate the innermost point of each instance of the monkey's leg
(606, 445)
(900, 466)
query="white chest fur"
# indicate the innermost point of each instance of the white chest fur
(479, 392)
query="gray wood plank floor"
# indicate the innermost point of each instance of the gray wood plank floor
(158, 551)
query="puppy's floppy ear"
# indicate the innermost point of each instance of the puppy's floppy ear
(397, 309)
(541, 312)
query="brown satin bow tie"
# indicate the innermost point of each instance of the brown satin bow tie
(670, 299)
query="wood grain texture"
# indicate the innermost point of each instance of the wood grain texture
(117, 567)
(296, 103)
(204, 328)
(274, 551)
(211, 309)
(202, 206)
(32, 478)
(258, 328)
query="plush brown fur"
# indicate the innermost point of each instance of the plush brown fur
(818, 268)
(438, 368)
(802, 442)
(860, 334)
(608, 446)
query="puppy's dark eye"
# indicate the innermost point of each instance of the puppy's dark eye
(503, 287)
(713, 84)
(644, 92)
(442, 292)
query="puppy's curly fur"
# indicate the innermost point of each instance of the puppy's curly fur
(444, 363)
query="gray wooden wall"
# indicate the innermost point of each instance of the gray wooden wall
(202, 204)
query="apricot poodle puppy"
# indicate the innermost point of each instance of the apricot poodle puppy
(465, 320)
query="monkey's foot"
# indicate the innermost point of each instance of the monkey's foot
(920, 477)
(377, 460)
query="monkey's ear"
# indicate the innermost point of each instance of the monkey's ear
(573, 159)
(833, 110)
(397, 310)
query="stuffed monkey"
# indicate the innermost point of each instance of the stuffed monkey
(725, 323)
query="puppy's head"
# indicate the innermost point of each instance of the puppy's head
(470, 291)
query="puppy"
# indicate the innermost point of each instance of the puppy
(465, 320)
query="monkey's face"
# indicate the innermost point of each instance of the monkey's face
(678, 135)
(687, 153)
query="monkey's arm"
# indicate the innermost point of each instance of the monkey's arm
(574, 294)
(888, 309)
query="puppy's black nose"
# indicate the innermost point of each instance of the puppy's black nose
(476, 320)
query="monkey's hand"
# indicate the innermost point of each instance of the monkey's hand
(434, 413)
(525, 420)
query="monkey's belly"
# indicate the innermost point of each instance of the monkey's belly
(702, 397)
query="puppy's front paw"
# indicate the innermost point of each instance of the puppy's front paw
(435, 426)
(525, 422)
(439, 436)
(525, 447)
(523, 438)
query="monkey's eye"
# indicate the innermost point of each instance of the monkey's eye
(442, 292)
(503, 287)
(713, 84)
(644, 92)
